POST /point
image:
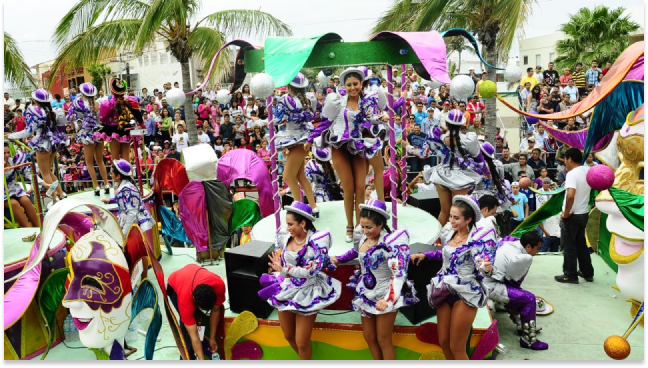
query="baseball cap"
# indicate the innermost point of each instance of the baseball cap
(546, 180)
(567, 69)
(173, 146)
(515, 184)
(447, 103)
(531, 139)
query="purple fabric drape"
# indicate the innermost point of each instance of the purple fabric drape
(20, 295)
(576, 139)
(637, 71)
(245, 164)
(193, 213)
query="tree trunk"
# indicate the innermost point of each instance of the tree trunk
(190, 118)
(459, 65)
(490, 53)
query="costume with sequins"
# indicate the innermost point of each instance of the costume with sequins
(14, 187)
(131, 208)
(382, 274)
(460, 273)
(466, 172)
(487, 187)
(89, 126)
(318, 178)
(301, 287)
(359, 132)
(292, 121)
(115, 117)
(44, 139)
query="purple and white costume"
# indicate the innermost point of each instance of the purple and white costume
(293, 122)
(382, 273)
(316, 175)
(512, 263)
(466, 172)
(301, 287)
(44, 139)
(131, 208)
(15, 189)
(81, 111)
(460, 274)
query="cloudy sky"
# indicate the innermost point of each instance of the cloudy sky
(32, 22)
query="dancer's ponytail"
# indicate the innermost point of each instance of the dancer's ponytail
(50, 116)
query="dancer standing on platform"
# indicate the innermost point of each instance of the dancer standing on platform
(512, 263)
(17, 197)
(298, 289)
(117, 116)
(86, 109)
(463, 164)
(457, 290)
(346, 120)
(319, 172)
(494, 184)
(293, 118)
(381, 286)
(41, 125)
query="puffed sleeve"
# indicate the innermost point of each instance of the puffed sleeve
(370, 106)
(315, 259)
(470, 142)
(397, 260)
(107, 111)
(281, 109)
(332, 106)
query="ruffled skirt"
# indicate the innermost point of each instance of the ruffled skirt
(469, 290)
(303, 296)
(453, 178)
(369, 291)
(49, 142)
(290, 138)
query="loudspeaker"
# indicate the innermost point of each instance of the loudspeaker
(244, 265)
(421, 275)
(427, 200)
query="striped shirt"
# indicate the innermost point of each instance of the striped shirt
(579, 79)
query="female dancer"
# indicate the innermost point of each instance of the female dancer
(41, 124)
(116, 115)
(86, 109)
(494, 184)
(463, 164)
(381, 285)
(320, 173)
(293, 120)
(457, 290)
(297, 288)
(347, 117)
(18, 198)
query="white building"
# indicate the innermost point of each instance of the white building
(538, 50)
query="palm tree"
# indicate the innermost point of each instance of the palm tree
(97, 29)
(601, 34)
(16, 70)
(99, 73)
(457, 44)
(494, 22)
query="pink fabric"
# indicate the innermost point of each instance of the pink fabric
(107, 112)
(78, 224)
(637, 71)
(20, 295)
(193, 213)
(245, 164)
(428, 46)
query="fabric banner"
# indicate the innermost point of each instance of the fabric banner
(245, 212)
(172, 226)
(219, 209)
(631, 206)
(193, 213)
(604, 240)
(170, 174)
(550, 208)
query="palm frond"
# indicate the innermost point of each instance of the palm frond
(397, 18)
(512, 14)
(97, 43)
(205, 43)
(16, 70)
(245, 23)
(431, 13)
(173, 14)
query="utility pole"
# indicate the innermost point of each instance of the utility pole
(120, 66)
(128, 82)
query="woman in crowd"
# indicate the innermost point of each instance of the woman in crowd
(86, 109)
(457, 290)
(298, 289)
(381, 286)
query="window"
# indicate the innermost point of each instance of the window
(538, 59)
(164, 58)
(146, 60)
(526, 60)
(154, 59)
(552, 56)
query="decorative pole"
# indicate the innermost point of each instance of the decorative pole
(393, 175)
(273, 163)
(403, 163)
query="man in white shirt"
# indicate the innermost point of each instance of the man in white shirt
(102, 97)
(538, 74)
(9, 101)
(181, 139)
(572, 91)
(574, 216)
(202, 137)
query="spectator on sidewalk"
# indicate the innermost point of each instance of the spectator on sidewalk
(520, 207)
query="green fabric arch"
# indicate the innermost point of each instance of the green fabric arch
(631, 206)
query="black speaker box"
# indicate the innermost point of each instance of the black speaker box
(421, 275)
(244, 265)
(426, 202)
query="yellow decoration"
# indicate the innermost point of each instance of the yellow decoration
(634, 308)
(488, 89)
(616, 347)
(242, 325)
(433, 355)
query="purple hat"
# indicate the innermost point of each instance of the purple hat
(88, 89)
(376, 206)
(42, 95)
(456, 117)
(79, 104)
(301, 209)
(300, 81)
(322, 154)
(472, 202)
(123, 167)
(488, 149)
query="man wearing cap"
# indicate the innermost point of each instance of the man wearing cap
(475, 109)
(173, 153)
(538, 74)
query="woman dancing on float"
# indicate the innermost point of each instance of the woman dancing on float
(494, 183)
(347, 119)
(319, 172)
(41, 124)
(457, 290)
(381, 286)
(86, 109)
(116, 114)
(297, 288)
(293, 118)
(463, 165)
(16, 196)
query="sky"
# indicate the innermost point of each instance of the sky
(352, 20)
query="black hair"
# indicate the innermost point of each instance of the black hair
(521, 172)
(455, 142)
(488, 202)
(204, 296)
(49, 115)
(575, 154)
(357, 75)
(529, 70)
(376, 218)
(467, 212)
(299, 218)
(57, 96)
(334, 190)
(494, 175)
(579, 63)
(122, 176)
(530, 238)
(536, 149)
(300, 93)
(523, 155)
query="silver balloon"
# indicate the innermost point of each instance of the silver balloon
(462, 86)
(223, 96)
(433, 83)
(175, 97)
(513, 74)
(262, 85)
(322, 78)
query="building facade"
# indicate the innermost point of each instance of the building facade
(538, 51)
